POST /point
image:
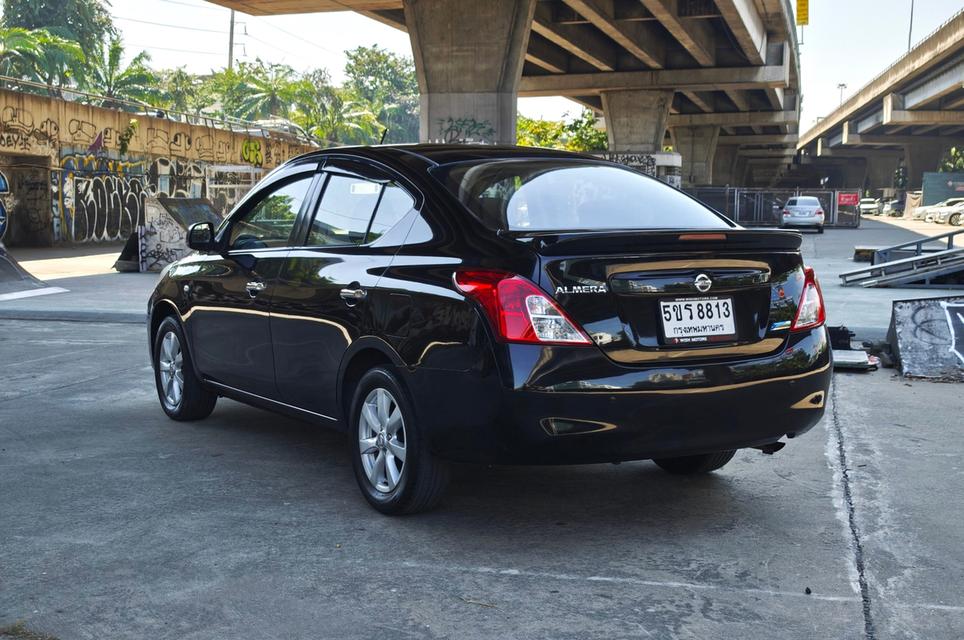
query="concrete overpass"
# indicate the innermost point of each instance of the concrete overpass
(909, 114)
(718, 78)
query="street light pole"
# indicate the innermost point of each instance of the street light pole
(842, 86)
(910, 29)
(231, 43)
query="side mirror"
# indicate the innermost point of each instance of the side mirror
(200, 236)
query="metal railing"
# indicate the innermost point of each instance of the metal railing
(764, 207)
(227, 123)
(916, 247)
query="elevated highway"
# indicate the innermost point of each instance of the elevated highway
(717, 79)
(909, 114)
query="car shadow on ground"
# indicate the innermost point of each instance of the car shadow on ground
(572, 503)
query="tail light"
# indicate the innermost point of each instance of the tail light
(810, 312)
(820, 212)
(519, 310)
(786, 212)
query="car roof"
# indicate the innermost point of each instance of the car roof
(438, 154)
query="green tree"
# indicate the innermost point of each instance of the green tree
(539, 133)
(57, 62)
(582, 134)
(387, 85)
(344, 119)
(181, 91)
(107, 77)
(952, 161)
(17, 48)
(86, 22)
(267, 90)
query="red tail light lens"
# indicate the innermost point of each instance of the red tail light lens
(819, 212)
(518, 309)
(786, 212)
(810, 312)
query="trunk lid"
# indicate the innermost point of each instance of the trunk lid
(651, 297)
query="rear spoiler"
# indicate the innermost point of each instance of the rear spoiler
(550, 243)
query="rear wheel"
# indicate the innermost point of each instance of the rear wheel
(178, 387)
(820, 229)
(394, 468)
(691, 465)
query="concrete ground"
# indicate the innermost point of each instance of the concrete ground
(116, 522)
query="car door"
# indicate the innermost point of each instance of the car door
(321, 302)
(230, 291)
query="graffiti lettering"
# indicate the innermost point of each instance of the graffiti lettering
(251, 152)
(465, 130)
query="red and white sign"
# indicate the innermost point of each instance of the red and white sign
(848, 199)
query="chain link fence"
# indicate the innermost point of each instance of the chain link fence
(764, 207)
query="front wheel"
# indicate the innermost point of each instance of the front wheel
(954, 220)
(692, 465)
(178, 387)
(394, 468)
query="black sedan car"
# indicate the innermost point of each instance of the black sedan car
(493, 304)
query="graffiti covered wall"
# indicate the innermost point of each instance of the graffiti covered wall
(82, 189)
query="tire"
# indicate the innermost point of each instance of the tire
(172, 362)
(954, 220)
(382, 424)
(693, 465)
(820, 229)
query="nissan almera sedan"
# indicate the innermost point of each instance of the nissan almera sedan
(493, 304)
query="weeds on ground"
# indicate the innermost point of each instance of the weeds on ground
(19, 631)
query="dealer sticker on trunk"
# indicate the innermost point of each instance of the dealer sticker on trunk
(687, 320)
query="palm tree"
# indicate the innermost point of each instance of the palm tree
(135, 82)
(16, 48)
(180, 91)
(57, 62)
(268, 90)
(340, 118)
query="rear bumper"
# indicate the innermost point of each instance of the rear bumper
(545, 414)
(802, 221)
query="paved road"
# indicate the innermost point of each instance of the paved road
(118, 523)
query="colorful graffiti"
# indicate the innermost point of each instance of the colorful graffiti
(251, 152)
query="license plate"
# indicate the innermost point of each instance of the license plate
(687, 320)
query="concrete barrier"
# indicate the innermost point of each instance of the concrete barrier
(927, 336)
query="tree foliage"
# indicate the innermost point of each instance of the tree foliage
(387, 84)
(86, 22)
(581, 134)
(952, 161)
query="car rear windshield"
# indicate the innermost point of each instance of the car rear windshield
(808, 201)
(565, 195)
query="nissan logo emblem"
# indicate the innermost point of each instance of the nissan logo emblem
(703, 283)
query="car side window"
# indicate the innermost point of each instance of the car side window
(345, 211)
(269, 223)
(395, 203)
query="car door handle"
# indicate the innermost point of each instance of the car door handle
(254, 288)
(352, 296)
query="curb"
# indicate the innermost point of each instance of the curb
(62, 315)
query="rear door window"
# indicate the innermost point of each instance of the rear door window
(395, 203)
(345, 211)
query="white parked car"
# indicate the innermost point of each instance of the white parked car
(950, 214)
(803, 211)
(869, 207)
(932, 212)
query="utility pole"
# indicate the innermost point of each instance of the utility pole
(910, 29)
(842, 86)
(231, 43)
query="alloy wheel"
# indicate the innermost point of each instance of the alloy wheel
(381, 440)
(170, 366)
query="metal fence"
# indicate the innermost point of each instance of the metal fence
(764, 207)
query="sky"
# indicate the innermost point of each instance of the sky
(847, 41)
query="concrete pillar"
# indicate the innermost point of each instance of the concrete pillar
(920, 157)
(880, 170)
(636, 119)
(697, 146)
(724, 166)
(468, 58)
